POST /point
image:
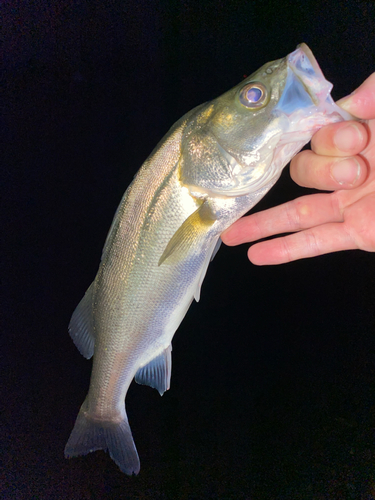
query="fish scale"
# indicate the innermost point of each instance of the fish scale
(212, 167)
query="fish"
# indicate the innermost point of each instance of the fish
(212, 167)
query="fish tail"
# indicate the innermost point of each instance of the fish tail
(115, 437)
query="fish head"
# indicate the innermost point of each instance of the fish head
(240, 142)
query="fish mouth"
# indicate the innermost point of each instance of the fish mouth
(303, 64)
(306, 99)
(306, 87)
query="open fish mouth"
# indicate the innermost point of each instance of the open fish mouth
(306, 101)
(303, 64)
(306, 98)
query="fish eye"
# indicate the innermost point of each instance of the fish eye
(254, 95)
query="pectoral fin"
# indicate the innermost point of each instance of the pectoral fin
(187, 234)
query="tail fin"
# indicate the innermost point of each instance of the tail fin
(116, 437)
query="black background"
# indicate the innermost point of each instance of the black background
(272, 393)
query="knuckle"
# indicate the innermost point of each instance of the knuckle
(312, 243)
(323, 139)
(293, 215)
(287, 251)
(301, 167)
(337, 201)
(359, 224)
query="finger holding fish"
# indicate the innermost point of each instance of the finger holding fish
(340, 139)
(328, 172)
(344, 152)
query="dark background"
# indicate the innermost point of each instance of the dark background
(272, 393)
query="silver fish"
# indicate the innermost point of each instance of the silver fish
(213, 165)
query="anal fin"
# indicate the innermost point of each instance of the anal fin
(157, 373)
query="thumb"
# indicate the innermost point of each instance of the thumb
(361, 103)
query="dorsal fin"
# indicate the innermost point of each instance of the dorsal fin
(81, 327)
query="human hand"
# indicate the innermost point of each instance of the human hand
(342, 160)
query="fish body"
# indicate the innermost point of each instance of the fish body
(213, 165)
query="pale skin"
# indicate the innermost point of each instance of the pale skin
(341, 160)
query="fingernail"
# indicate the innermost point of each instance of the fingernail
(346, 171)
(347, 138)
(346, 102)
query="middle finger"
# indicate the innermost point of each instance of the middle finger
(309, 169)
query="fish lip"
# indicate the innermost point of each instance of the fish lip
(305, 68)
(314, 63)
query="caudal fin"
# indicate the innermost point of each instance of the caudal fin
(115, 437)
